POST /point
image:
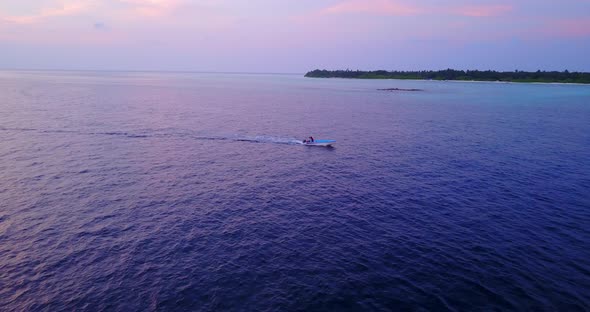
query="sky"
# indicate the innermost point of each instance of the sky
(294, 36)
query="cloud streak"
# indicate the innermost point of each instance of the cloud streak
(64, 8)
(570, 28)
(483, 10)
(153, 8)
(379, 7)
(398, 8)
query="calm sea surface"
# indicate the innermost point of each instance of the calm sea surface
(177, 191)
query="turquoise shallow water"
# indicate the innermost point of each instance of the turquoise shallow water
(179, 191)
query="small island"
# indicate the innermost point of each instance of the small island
(400, 89)
(460, 75)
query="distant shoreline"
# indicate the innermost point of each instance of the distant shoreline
(554, 77)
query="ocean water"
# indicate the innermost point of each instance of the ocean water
(190, 192)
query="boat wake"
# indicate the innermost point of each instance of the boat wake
(269, 139)
(169, 133)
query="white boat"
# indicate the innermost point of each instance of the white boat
(320, 143)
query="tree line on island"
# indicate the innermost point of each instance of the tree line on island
(463, 75)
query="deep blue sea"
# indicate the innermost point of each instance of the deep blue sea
(190, 192)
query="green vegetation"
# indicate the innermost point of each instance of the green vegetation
(451, 74)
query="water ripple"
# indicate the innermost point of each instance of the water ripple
(129, 193)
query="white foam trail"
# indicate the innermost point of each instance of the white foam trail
(267, 139)
(178, 133)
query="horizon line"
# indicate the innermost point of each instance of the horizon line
(265, 73)
(150, 71)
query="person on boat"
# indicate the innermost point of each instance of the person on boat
(311, 139)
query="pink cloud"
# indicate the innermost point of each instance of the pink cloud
(483, 10)
(396, 7)
(153, 8)
(381, 7)
(568, 28)
(66, 8)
